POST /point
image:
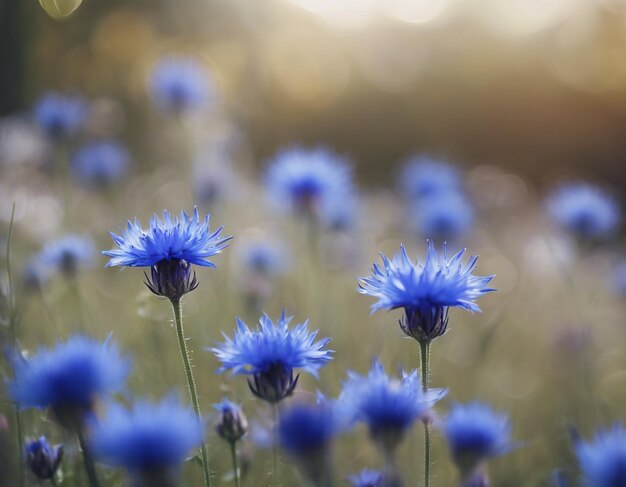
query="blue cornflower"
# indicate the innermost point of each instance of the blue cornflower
(367, 478)
(308, 182)
(35, 274)
(149, 439)
(271, 353)
(305, 431)
(262, 257)
(603, 460)
(100, 164)
(42, 459)
(169, 246)
(60, 116)
(68, 378)
(386, 405)
(476, 433)
(424, 176)
(179, 83)
(443, 215)
(425, 291)
(68, 254)
(232, 424)
(583, 209)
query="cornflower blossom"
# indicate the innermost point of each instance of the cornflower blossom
(179, 84)
(424, 176)
(42, 459)
(100, 164)
(603, 459)
(232, 424)
(476, 433)
(68, 254)
(271, 353)
(60, 116)
(584, 210)
(309, 183)
(150, 440)
(444, 215)
(425, 291)
(69, 378)
(169, 246)
(388, 406)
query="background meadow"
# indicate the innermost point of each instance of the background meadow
(518, 98)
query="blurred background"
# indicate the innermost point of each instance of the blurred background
(534, 85)
(517, 95)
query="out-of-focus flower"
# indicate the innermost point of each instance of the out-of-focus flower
(68, 254)
(442, 215)
(271, 353)
(386, 405)
(367, 478)
(179, 84)
(60, 116)
(423, 176)
(35, 274)
(308, 182)
(100, 164)
(305, 432)
(169, 246)
(69, 378)
(476, 433)
(58, 9)
(263, 258)
(603, 460)
(425, 292)
(151, 440)
(339, 212)
(42, 459)
(584, 210)
(232, 424)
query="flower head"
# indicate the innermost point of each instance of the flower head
(476, 433)
(443, 215)
(263, 258)
(60, 116)
(68, 254)
(603, 460)
(100, 164)
(179, 84)
(425, 291)
(42, 459)
(232, 425)
(68, 378)
(583, 209)
(148, 437)
(424, 176)
(169, 246)
(388, 406)
(271, 353)
(367, 478)
(308, 182)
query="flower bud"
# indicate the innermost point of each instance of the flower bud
(58, 9)
(43, 460)
(171, 279)
(232, 425)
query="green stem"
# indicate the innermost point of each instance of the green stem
(233, 454)
(191, 383)
(425, 361)
(275, 471)
(90, 466)
(53, 482)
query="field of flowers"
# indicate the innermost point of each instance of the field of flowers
(175, 313)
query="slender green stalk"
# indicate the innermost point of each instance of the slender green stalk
(12, 309)
(425, 361)
(275, 463)
(233, 454)
(90, 466)
(191, 383)
(53, 482)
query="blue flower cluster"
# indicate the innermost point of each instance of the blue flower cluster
(437, 205)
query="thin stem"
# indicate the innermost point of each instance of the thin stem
(425, 361)
(90, 466)
(191, 383)
(233, 454)
(275, 465)
(53, 482)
